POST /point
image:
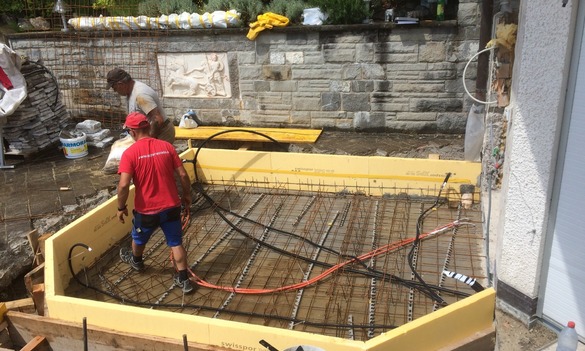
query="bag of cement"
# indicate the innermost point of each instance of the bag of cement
(101, 143)
(100, 135)
(115, 155)
(474, 131)
(89, 126)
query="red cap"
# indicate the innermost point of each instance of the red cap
(136, 120)
(571, 324)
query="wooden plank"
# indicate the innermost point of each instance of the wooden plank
(63, 335)
(42, 240)
(35, 276)
(38, 295)
(38, 343)
(18, 304)
(283, 135)
(33, 240)
(3, 310)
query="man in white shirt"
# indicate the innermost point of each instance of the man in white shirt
(142, 98)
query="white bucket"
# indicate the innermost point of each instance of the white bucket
(75, 147)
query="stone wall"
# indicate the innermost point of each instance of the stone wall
(362, 77)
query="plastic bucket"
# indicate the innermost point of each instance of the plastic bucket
(75, 147)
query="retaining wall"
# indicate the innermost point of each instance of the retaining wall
(376, 76)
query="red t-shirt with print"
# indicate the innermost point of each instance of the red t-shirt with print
(152, 163)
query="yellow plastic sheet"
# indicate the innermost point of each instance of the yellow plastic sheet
(266, 20)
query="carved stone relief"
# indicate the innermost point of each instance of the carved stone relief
(203, 75)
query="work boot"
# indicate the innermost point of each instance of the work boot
(185, 285)
(127, 257)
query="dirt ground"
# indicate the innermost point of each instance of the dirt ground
(512, 335)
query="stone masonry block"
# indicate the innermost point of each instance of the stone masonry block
(355, 102)
(330, 101)
(276, 72)
(343, 86)
(352, 71)
(366, 120)
(432, 52)
(294, 58)
(468, 14)
(288, 85)
(436, 105)
(314, 58)
(419, 87)
(382, 85)
(261, 85)
(373, 71)
(362, 86)
(339, 52)
(365, 52)
(326, 72)
(276, 58)
(250, 72)
(306, 104)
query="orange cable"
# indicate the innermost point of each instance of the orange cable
(296, 286)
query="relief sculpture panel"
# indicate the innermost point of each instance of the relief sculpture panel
(202, 75)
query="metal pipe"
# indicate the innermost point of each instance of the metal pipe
(85, 348)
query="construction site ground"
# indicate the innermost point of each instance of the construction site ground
(32, 198)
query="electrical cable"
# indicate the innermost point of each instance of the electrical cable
(416, 242)
(426, 287)
(464, 74)
(372, 272)
(208, 308)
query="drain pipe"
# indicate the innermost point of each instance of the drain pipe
(485, 33)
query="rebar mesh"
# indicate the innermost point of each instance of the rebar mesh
(269, 238)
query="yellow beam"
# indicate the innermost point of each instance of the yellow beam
(441, 328)
(283, 135)
(332, 173)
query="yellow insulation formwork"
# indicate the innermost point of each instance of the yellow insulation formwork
(100, 230)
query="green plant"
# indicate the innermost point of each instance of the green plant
(118, 7)
(248, 9)
(157, 7)
(12, 6)
(217, 5)
(343, 11)
(292, 9)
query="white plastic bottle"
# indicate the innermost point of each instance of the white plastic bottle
(568, 338)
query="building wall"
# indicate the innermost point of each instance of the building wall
(543, 50)
(362, 77)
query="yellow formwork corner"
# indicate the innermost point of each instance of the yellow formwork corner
(441, 328)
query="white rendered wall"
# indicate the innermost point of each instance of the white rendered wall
(538, 92)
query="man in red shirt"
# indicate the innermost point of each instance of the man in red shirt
(151, 164)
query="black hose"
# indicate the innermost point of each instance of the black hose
(416, 243)
(208, 308)
(422, 286)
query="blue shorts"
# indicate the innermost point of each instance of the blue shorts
(167, 220)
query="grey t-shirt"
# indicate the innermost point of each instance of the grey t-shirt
(144, 99)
